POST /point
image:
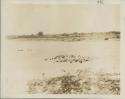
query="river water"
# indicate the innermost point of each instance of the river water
(24, 60)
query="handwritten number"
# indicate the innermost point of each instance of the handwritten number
(100, 2)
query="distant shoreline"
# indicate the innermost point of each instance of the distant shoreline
(69, 37)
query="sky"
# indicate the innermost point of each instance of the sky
(61, 18)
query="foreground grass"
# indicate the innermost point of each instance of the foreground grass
(77, 83)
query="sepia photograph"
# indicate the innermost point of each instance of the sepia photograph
(60, 49)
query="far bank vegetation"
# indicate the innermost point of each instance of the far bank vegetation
(69, 36)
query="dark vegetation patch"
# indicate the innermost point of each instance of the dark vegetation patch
(68, 59)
